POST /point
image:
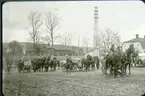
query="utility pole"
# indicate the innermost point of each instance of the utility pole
(78, 45)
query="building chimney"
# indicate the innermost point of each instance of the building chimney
(137, 35)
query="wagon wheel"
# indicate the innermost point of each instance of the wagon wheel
(63, 68)
(140, 63)
(103, 68)
(19, 70)
(74, 68)
(80, 68)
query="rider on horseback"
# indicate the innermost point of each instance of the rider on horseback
(68, 62)
(112, 50)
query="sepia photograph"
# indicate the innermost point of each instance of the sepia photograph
(73, 48)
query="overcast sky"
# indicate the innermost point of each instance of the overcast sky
(125, 17)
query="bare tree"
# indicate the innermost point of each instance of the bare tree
(46, 40)
(107, 38)
(66, 40)
(34, 30)
(15, 47)
(52, 22)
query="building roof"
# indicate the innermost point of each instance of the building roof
(91, 50)
(44, 47)
(141, 40)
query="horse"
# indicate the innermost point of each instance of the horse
(20, 65)
(96, 60)
(114, 62)
(53, 64)
(128, 58)
(87, 62)
(42, 63)
(23, 66)
(35, 64)
(47, 63)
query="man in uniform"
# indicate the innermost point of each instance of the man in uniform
(112, 50)
(54, 63)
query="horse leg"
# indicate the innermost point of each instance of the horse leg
(93, 67)
(97, 66)
(116, 71)
(46, 69)
(42, 68)
(86, 68)
(129, 67)
(106, 67)
(50, 68)
(125, 68)
(54, 68)
(122, 69)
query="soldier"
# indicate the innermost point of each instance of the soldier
(54, 63)
(112, 50)
(66, 57)
(68, 62)
(98, 62)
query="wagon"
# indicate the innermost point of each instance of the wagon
(78, 63)
(63, 65)
(74, 66)
(27, 66)
(141, 59)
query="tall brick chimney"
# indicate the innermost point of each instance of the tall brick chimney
(137, 35)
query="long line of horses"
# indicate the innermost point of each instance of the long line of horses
(117, 63)
(45, 64)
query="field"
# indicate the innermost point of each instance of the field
(58, 83)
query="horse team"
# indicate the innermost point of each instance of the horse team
(38, 64)
(45, 63)
(117, 62)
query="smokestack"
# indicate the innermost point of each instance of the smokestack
(137, 35)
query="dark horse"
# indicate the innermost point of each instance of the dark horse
(87, 62)
(113, 62)
(96, 60)
(20, 66)
(119, 61)
(127, 59)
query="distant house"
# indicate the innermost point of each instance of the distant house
(93, 52)
(139, 44)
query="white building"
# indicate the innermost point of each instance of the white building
(93, 52)
(139, 44)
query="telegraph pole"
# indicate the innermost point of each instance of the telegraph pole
(78, 45)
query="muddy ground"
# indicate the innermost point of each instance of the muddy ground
(58, 83)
